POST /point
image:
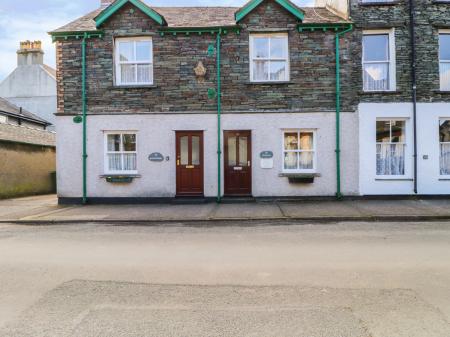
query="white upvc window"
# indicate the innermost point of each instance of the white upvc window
(444, 59)
(444, 147)
(134, 61)
(299, 151)
(390, 147)
(120, 152)
(378, 60)
(269, 57)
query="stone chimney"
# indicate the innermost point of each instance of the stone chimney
(105, 3)
(30, 53)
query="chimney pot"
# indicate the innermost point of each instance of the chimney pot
(30, 53)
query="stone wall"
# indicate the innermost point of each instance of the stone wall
(26, 169)
(430, 16)
(28, 161)
(312, 70)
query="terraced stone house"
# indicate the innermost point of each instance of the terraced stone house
(264, 100)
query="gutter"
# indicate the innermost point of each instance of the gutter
(412, 20)
(84, 36)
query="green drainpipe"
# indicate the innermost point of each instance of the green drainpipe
(219, 110)
(338, 113)
(84, 111)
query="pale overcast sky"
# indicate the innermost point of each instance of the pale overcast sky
(32, 19)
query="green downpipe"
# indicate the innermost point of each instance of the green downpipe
(338, 113)
(219, 128)
(84, 111)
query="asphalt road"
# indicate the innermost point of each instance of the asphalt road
(340, 280)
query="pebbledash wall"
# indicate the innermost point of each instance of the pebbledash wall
(156, 133)
(179, 102)
(433, 104)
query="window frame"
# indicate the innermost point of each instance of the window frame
(118, 63)
(252, 59)
(106, 169)
(314, 150)
(442, 32)
(392, 68)
(442, 176)
(405, 143)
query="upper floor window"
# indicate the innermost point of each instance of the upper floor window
(269, 58)
(378, 60)
(134, 61)
(444, 59)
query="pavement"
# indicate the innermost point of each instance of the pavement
(44, 210)
(352, 279)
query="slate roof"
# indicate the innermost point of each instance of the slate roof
(8, 108)
(178, 17)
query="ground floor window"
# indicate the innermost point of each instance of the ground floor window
(299, 151)
(444, 140)
(391, 147)
(120, 152)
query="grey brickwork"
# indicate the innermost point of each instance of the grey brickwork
(312, 69)
(430, 16)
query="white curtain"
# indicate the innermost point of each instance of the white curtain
(115, 162)
(376, 76)
(390, 159)
(445, 159)
(129, 161)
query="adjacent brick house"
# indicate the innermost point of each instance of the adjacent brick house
(415, 158)
(222, 101)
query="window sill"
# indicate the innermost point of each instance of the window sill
(441, 2)
(442, 92)
(394, 179)
(269, 83)
(118, 175)
(375, 3)
(299, 175)
(381, 92)
(143, 86)
(444, 179)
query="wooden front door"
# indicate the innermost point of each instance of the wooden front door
(189, 163)
(238, 163)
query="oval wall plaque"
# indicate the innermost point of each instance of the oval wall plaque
(156, 157)
(266, 154)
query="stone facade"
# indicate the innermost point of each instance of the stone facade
(430, 17)
(312, 69)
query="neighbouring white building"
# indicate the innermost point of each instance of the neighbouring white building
(32, 85)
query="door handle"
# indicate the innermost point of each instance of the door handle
(178, 162)
(249, 163)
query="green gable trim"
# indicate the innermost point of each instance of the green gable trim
(58, 36)
(112, 9)
(286, 4)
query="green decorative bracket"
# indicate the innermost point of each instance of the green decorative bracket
(212, 93)
(211, 50)
(77, 119)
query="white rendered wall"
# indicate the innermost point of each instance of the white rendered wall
(156, 133)
(429, 179)
(370, 184)
(428, 156)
